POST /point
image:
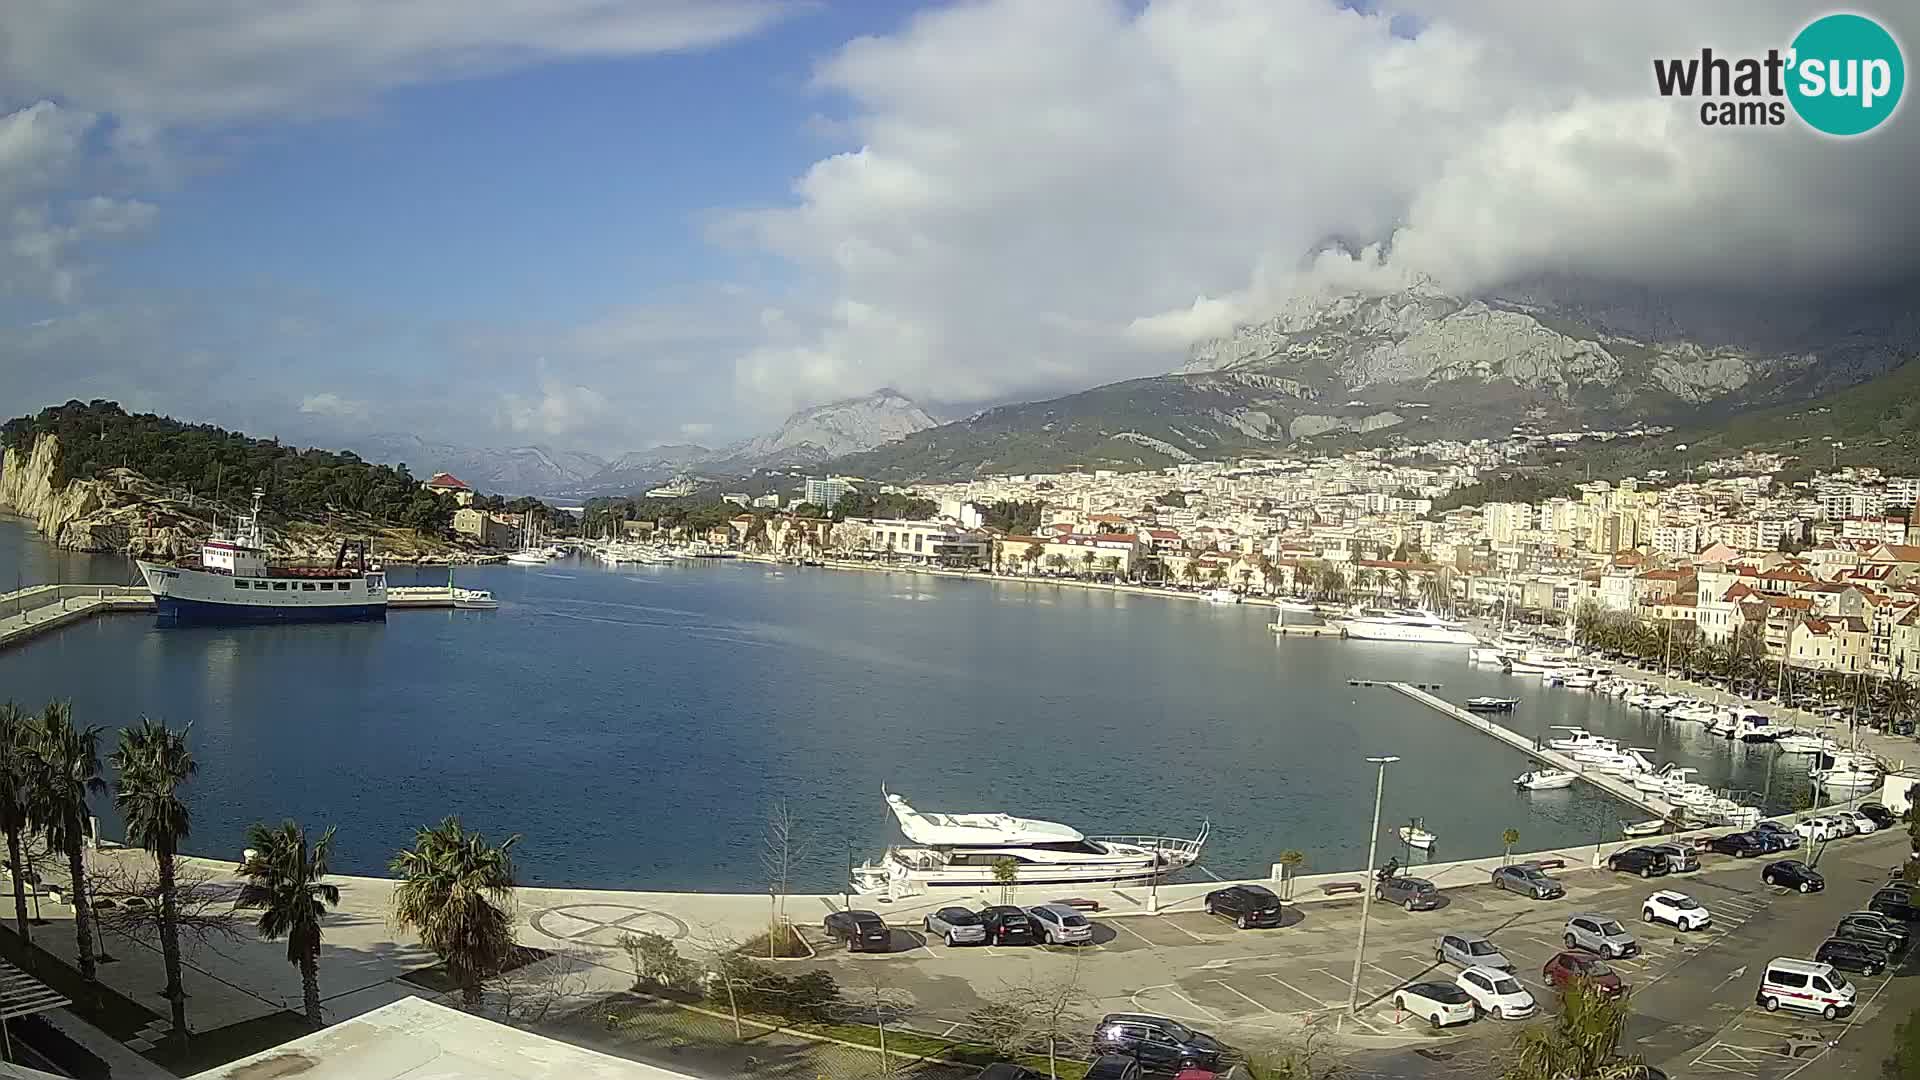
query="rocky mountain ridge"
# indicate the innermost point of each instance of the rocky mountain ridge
(1417, 364)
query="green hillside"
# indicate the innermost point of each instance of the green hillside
(1878, 423)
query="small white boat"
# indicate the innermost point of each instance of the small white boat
(1578, 680)
(1642, 828)
(1545, 780)
(1492, 704)
(1486, 654)
(1223, 596)
(1414, 835)
(528, 557)
(474, 600)
(1805, 742)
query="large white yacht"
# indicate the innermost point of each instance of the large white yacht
(962, 850)
(1373, 624)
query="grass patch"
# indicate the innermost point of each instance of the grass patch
(914, 1042)
(211, 1049)
(787, 945)
(435, 978)
(100, 1005)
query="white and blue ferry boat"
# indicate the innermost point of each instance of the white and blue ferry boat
(235, 583)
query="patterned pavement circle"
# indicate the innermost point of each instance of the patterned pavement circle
(602, 924)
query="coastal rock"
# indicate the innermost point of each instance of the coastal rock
(27, 489)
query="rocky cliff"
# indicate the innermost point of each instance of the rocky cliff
(61, 513)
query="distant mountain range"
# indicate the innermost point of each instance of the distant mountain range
(1415, 365)
(807, 438)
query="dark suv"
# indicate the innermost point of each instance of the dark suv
(1158, 1043)
(1640, 860)
(1876, 923)
(1245, 905)
(1008, 925)
(1415, 894)
(1740, 845)
(1879, 814)
(863, 931)
(1895, 902)
(1850, 955)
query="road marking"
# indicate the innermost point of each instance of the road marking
(1343, 982)
(1189, 933)
(1398, 980)
(1256, 1003)
(1215, 1017)
(1317, 1002)
(1118, 925)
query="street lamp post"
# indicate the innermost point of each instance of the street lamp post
(1366, 891)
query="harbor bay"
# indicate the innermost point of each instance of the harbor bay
(636, 725)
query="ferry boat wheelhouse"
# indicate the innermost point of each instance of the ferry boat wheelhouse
(961, 851)
(235, 583)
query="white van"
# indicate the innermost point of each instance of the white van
(1803, 984)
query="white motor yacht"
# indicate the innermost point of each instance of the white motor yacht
(528, 557)
(1847, 772)
(1792, 741)
(1693, 712)
(962, 851)
(1545, 780)
(1407, 627)
(1223, 596)
(1487, 654)
(1753, 727)
(1579, 680)
(474, 600)
(1581, 739)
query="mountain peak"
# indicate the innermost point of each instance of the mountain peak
(847, 426)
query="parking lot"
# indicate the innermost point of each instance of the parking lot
(1693, 991)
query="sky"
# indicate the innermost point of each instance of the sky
(609, 224)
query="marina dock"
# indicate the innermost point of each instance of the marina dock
(27, 613)
(1612, 785)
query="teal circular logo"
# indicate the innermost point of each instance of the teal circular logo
(1846, 74)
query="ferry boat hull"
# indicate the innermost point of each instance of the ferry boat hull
(178, 611)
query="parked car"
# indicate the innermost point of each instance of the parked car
(1246, 906)
(1793, 874)
(1778, 836)
(1881, 816)
(1873, 920)
(1599, 934)
(1157, 1042)
(863, 931)
(1677, 909)
(1528, 878)
(1061, 925)
(1415, 894)
(1497, 993)
(1869, 935)
(956, 926)
(1639, 860)
(1441, 1003)
(1112, 1067)
(1806, 985)
(1008, 925)
(1681, 858)
(1895, 903)
(1843, 823)
(1564, 967)
(1741, 845)
(1470, 950)
(1862, 823)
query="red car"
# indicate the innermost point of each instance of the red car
(1568, 966)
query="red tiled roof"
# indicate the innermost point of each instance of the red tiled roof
(446, 480)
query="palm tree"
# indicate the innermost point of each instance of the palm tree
(153, 763)
(1581, 1043)
(1086, 562)
(1035, 552)
(1362, 580)
(65, 772)
(284, 884)
(1402, 580)
(16, 757)
(454, 891)
(1057, 562)
(1192, 572)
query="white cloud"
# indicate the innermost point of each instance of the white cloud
(696, 430)
(194, 61)
(1044, 196)
(333, 406)
(560, 410)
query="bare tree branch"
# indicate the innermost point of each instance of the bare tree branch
(125, 893)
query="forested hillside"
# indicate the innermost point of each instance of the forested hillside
(211, 461)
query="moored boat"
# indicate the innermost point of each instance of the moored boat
(1492, 704)
(236, 582)
(1414, 834)
(1545, 780)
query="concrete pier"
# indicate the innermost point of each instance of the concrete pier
(27, 613)
(1304, 630)
(1612, 785)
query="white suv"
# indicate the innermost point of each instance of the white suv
(1821, 829)
(1677, 908)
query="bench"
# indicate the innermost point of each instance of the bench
(1080, 903)
(1335, 888)
(1549, 864)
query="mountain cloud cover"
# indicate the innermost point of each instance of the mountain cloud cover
(1046, 196)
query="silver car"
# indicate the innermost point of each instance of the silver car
(1600, 934)
(957, 926)
(1470, 950)
(1061, 925)
(1680, 857)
